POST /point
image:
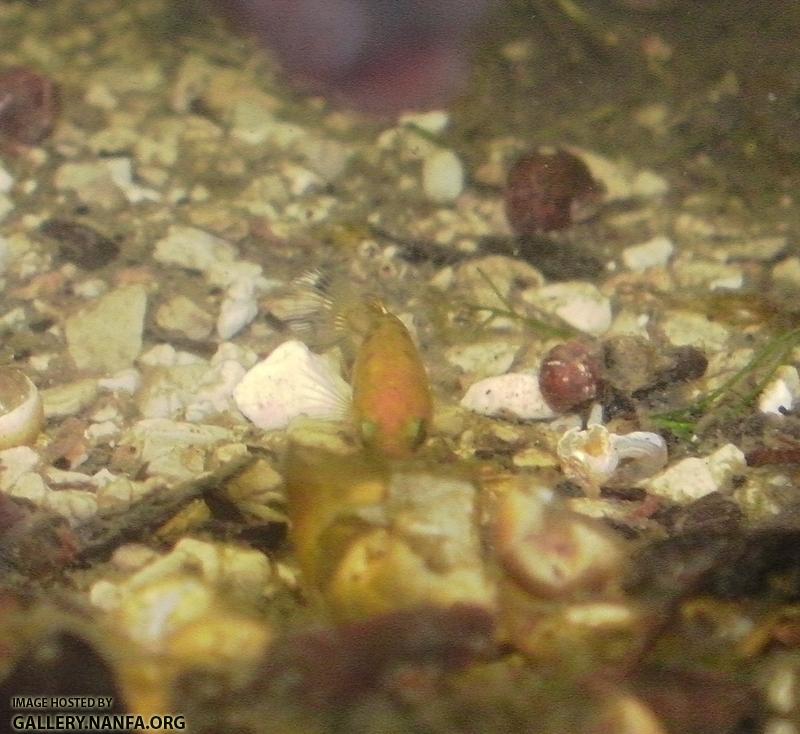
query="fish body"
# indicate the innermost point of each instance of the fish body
(392, 402)
(391, 395)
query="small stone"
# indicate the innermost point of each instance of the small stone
(193, 249)
(173, 449)
(442, 176)
(708, 274)
(238, 309)
(433, 122)
(183, 315)
(92, 183)
(14, 463)
(578, 303)
(80, 244)
(653, 253)
(516, 394)
(107, 336)
(648, 184)
(6, 181)
(121, 171)
(69, 398)
(695, 477)
(483, 359)
(6, 206)
(687, 328)
(786, 279)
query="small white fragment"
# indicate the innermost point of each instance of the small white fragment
(578, 303)
(781, 392)
(126, 381)
(192, 248)
(653, 253)
(695, 477)
(595, 458)
(291, 382)
(647, 184)
(6, 181)
(122, 176)
(434, 121)
(238, 309)
(215, 390)
(14, 463)
(442, 176)
(515, 394)
(6, 206)
(483, 359)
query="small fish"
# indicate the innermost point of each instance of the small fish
(392, 404)
(391, 394)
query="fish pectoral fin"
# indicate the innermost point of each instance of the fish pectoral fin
(416, 431)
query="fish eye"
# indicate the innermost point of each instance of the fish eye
(415, 432)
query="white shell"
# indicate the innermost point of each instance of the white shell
(291, 382)
(21, 411)
(595, 458)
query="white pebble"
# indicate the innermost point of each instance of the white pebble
(6, 181)
(434, 121)
(192, 248)
(695, 477)
(291, 382)
(653, 253)
(515, 394)
(238, 309)
(125, 381)
(578, 303)
(442, 176)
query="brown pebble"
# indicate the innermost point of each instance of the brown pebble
(80, 244)
(29, 106)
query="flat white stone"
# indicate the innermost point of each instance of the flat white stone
(107, 336)
(192, 248)
(238, 309)
(653, 253)
(6, 181)
(695, 477)
(515, 394)
(694, 329)
(578, 303)
(434, 121)
(483, 359)
(14, 463)
(292, 381)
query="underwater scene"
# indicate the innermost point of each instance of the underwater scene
(400, 366)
